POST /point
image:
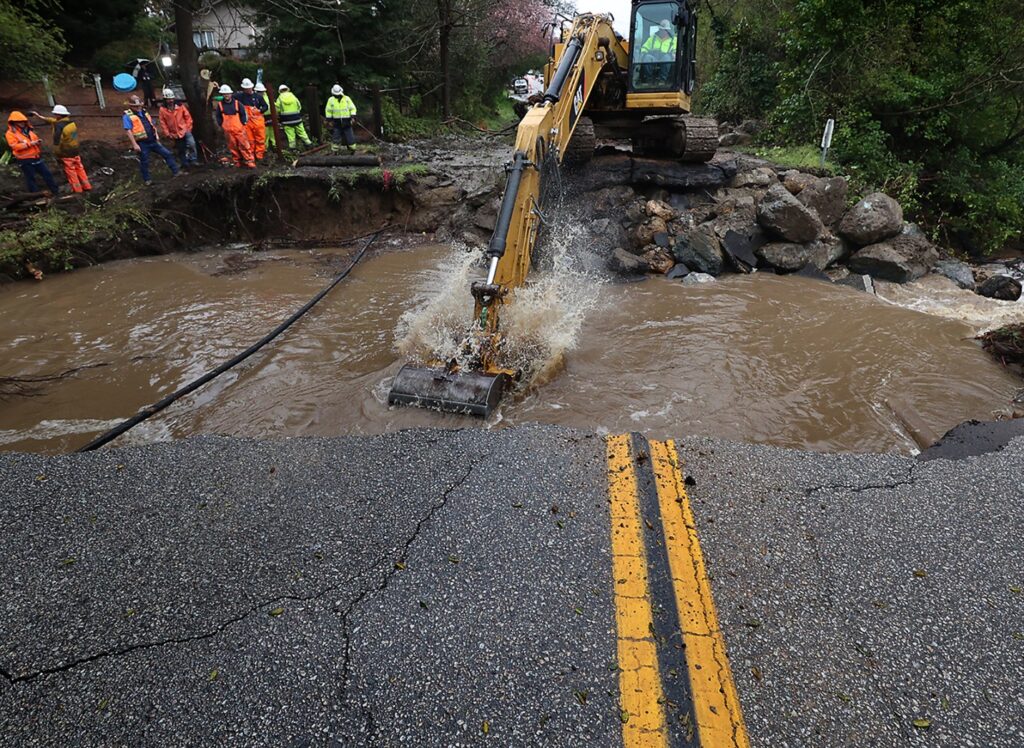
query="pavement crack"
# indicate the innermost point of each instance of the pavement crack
(390, 568)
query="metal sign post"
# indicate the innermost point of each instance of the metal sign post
(826, 140)
(99, 90)
(49, 93)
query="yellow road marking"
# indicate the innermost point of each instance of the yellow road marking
(642, 696)
(717, 706)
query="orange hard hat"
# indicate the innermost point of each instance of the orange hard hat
(17, 117)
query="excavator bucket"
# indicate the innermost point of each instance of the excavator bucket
(468, 393)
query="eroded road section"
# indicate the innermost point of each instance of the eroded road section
(531, 586)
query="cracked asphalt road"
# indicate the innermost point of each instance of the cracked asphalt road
(414, 587)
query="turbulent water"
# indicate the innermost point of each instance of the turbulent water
(779, 360)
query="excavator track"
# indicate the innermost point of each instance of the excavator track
(683, 136)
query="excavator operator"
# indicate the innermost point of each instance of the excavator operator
(658, 54)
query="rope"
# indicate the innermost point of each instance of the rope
(192, 386)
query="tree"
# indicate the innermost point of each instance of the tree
(87, 26)
(188, 66)
(29, 48)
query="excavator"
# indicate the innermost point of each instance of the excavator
(599, 85)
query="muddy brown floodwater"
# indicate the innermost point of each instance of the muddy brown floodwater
(779, 360)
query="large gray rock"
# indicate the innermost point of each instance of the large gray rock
(797, 181)
(874, 219)
(735, 138)
(623, 262)
(762, 176)
(859, 282)
(698, 279)
(607, 233)
(611, 200)
(827, 251)
(786, 217)
(826, 197)
(1001, 287)
(901, 259)
(701, 251)
(785, 256)
(958, 272)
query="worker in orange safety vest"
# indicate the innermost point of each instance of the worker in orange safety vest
(26, 148)
(231, 116)
(256, 126)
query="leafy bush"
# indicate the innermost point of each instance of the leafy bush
(29, 47)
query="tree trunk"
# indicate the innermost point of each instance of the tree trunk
(444, 18)
(188, 65)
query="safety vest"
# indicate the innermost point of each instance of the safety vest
(138, 128)
(289, 108)
(657, 44)
(232, 114)
(342, 108)
(24, 143)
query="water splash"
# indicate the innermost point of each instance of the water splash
(540, 325)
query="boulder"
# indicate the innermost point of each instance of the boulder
(644, 234)
(796, 181)
(658, 260)
(1001, 287)
(625, 263)
(700, 250)
(763, 176)
(607, 233)
(901, 259)
(740, 246)
(623, 169)
(660, 209)
(487, 216)
(874, 219)
(785, 256)
(609, 201)
(679, 270)
(958, 272)
(810, 271)
(636, 211)
(786, 217)
(827, 251)
(826, 197)
(735, 138)
(697, 279)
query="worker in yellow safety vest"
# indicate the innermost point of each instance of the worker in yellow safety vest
(661, 45)
(289, 113)
(270, 139)
(339, 112)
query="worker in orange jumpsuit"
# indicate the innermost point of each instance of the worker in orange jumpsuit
(231, 117)
(25, 147)
(255, 108)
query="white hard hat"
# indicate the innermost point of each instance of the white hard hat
(61, 110)
(246, 83)
(225, 89)
(260, 87)
(168, 93)
(282, 87)
(337, 90)
(666, 24)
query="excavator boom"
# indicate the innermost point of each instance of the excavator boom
(591, 59)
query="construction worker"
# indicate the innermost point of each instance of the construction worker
(26, 147)
(659, 54)
(256, 126)
(289, 113)
(144, 138)
(176, 122)
(271, 139)
(230, 113)
(339, 112)
(65, 147)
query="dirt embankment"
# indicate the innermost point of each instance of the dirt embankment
(275, 203)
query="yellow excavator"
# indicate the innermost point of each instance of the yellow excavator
(599, 85)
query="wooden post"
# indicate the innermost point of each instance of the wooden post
(274, 122)
(378, 112)
(316, 124)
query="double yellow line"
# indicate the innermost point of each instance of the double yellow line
(652, 714)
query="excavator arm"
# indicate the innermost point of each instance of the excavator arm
(475, 382)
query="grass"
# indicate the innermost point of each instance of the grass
(54, 240)
(792, 157)
(343, 179)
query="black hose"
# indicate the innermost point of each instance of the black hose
(192, 386)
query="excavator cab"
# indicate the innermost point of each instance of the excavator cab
(662, 44)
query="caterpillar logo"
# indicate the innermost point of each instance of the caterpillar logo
(577, 101)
